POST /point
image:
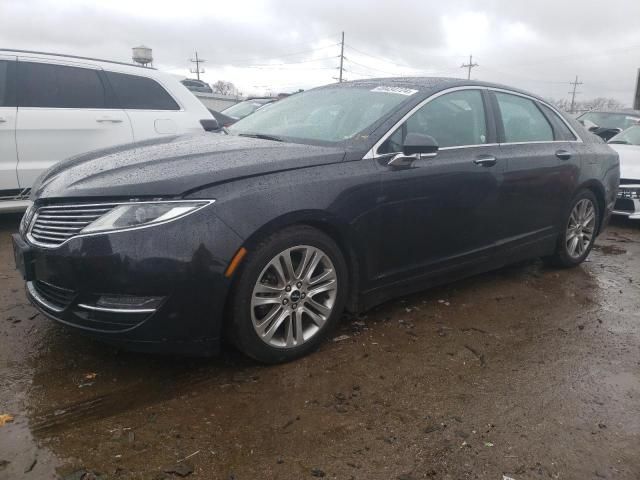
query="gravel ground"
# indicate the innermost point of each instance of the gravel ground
(527, 372)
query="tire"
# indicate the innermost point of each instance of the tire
(264, 295)
(575, 241)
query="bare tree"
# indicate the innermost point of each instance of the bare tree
(224, 88)
(599, 103)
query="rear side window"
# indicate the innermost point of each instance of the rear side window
(522, 120)
(7, 84)
(59, 86)
(140, 93)
(562, 131)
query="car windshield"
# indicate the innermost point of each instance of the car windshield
(242, 109)
(631, 136)
(610, 120)
(331, 114)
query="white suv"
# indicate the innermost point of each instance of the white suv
(55, 106)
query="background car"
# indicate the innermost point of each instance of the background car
(339, 197)
(627, 144)
(196, 85)
(607, 124)
(56, 106)
(242, 109)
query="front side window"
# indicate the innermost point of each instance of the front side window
(140, 93)
(329, 114)
(454, 119)
(522, 120)
(59, 86)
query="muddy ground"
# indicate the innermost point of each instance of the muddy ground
(527, 372)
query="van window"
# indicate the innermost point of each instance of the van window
(59, 86)
(140, 93)
(7, 84)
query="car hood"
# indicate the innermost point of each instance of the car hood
(629, 160)
(172, 166)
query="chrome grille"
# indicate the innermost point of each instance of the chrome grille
(629, 191)
(56, 298)
(52, 225)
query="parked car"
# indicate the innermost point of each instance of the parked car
(56, 106)
(249, 106)
(609, 123)
(196, 85)
(342, 196)
(627, 144)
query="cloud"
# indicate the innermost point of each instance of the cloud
(282, 45)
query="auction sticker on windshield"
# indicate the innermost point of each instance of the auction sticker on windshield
(398, 90)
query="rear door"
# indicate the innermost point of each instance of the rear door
(153, 112)
(541, 173)
(8, 114)
(63, 110)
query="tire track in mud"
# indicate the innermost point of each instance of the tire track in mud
(136, 396)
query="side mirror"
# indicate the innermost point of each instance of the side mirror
(210, 124)
(417, 143)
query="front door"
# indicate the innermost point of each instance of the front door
(63, 111)
(441, 212)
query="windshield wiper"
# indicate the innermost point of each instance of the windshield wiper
(261, 136)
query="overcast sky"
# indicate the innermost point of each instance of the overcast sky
(281, 45)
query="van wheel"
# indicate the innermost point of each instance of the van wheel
(290, 294)
(579, 233)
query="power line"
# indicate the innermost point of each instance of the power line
(469, 66)
(341, 57)
(197, 70)
(573, 93)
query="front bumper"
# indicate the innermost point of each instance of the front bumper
(181, 264)
(628, 201)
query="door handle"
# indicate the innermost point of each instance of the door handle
(108, 120)
(563, 155)
(485, 160)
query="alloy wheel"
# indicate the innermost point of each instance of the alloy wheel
(580, 228)
(294, 296)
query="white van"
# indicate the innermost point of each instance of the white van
(55, 106)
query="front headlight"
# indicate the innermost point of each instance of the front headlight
(133, 215)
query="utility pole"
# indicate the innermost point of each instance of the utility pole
(341, 57)
(469, 66)
(573, 93)
(197, 70)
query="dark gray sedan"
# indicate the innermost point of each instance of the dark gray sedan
(339, 197)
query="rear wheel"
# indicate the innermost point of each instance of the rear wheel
(290, 293)
(576, 241)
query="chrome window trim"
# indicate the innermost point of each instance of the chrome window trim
(373, 151)
(33, 241)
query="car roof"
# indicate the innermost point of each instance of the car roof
(63, 56)
(430, 85)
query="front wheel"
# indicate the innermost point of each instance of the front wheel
(290, 293)
(579, 234)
